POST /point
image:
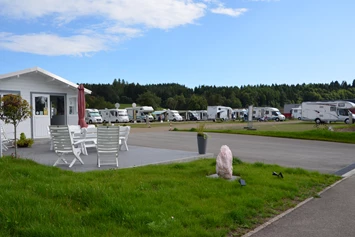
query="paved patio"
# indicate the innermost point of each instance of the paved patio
(136, 156)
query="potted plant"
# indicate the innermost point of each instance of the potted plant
(24, 142)
(201, 138)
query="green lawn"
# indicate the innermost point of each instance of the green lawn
(161, 200)
(301, 130)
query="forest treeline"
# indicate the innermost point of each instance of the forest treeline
(180, 97)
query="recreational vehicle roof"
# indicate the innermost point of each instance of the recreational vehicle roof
(340, 104)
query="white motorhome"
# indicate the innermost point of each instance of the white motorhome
(167, 115)
(296, 113)
(202, 114)
(326, 112)
(173, 115)
(239, 113)
(219, 112)
(92, 116)
(189, 115)
(114, 115)
(140, 113)
(267, 112)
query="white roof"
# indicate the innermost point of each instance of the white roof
(38, 69)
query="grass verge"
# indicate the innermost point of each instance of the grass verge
(315, 134)
(161, 200)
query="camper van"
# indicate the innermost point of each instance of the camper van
(189, 115)
(140, 113)
(92, 116)
(296, 113)
(326, 112)
(239, 113)
(114, 115)
(173, 115)
(268, 113)
(219, 112)
(167, 115)
(202, 114)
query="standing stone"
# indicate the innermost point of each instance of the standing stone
(224, 164)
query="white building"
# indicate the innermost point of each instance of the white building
(54, 100)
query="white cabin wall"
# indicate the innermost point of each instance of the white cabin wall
(37, 83)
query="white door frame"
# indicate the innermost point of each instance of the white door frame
(41, 118)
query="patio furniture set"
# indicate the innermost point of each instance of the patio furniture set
(108, 141)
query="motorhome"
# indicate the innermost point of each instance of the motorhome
(268, 113)
(173, 115)
(114, 115)
(296, 113)
(92, 116)
(326, 112)
(139, 113)
(239, 113)
(219, 112)
(202, 114)
(167, 115)
(189, 115)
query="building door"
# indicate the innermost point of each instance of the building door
(57, 112)
(41, 115)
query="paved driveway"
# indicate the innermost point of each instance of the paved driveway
(326, 157)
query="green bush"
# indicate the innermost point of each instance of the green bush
(24, 142)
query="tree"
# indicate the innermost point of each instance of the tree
(171, 103)
(149, 98)
(197, 103)
(14, 109)
(180, 101)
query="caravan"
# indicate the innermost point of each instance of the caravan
(167, 115)
(219, 112)
(267, 113)
(202, 114)
(238, 114)
(326, 112)
(140, 113)
(296, 113)
(114, 115)
(173, 115)
(189, 115)
(92, 116)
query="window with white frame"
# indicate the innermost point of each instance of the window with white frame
(73, 105)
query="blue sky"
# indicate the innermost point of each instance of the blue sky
(190, 42)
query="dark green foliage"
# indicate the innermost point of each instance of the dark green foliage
(180, 97)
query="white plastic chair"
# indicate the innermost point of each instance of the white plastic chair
(63, 144)
(89, 135)
(76, 132)
(108, 143)
(6, 142)
(50, 136)
(124, 132)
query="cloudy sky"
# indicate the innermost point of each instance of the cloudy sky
(190, 42)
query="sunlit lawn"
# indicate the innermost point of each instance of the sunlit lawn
(161, 200)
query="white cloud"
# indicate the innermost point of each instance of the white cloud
(86, 26)
(162, 14)
(229, 11)
(53, 45)
(127, 31)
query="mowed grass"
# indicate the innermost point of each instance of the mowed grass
(161, 200)
(300, 130)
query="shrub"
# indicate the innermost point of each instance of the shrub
(24, 142)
